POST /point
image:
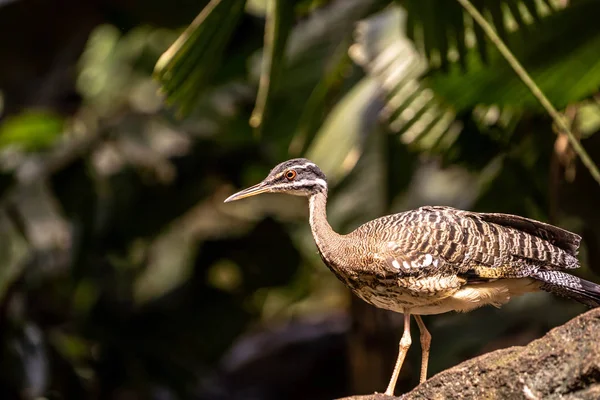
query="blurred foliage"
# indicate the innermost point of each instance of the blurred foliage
(123, 128)
(31, 130)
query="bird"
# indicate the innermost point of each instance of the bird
(434, 259)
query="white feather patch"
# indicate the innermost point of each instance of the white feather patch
(303, 182)
(321, 182)
(428, 260)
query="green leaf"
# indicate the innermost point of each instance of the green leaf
(316, 73)
(280, 14)
(421, 118)
(412, 110)
(588, 119)
(560, 54)
(316, 105)
(315, 41)
(190, 63)
(338, 144)
(31, 130)
(433, 20)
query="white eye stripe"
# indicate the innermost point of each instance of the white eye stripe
(303, 182)
(321, 182)
(297, 167)
(304, 166)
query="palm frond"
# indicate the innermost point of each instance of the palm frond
(443, 32)
(422, 103)
(338, 144)
(411, 109)
(560, 54)
(183, 70)
(314, 74)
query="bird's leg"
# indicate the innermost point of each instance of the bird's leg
(404, 345)
(425, 343)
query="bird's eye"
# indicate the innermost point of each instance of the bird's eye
(290, 175)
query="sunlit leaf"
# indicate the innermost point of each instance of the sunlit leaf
(412, 110)
(316, 73)
(338, 144)
(588, 118)
(314, 108)
(31, 130)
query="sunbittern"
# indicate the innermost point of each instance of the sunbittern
(434, 259)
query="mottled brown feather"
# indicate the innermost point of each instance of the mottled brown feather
(449, 240)
(559, 237)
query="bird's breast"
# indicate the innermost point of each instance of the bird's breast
(426, 298)
(406, 293)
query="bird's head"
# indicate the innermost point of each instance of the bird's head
(299, 177)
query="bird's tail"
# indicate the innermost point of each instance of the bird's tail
(570, 286)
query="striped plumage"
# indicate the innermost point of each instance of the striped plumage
(435, 259)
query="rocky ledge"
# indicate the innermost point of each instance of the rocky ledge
(564, 364)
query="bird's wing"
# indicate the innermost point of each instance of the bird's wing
(428, 239)
(408, 260)
(558, 237)
(479, 246)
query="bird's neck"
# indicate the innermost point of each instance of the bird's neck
(326, 239)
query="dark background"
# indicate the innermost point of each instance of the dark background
(124, 276)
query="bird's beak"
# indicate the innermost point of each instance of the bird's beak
(251, 191)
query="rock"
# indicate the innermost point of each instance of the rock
(375, 396)
(564, 364)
